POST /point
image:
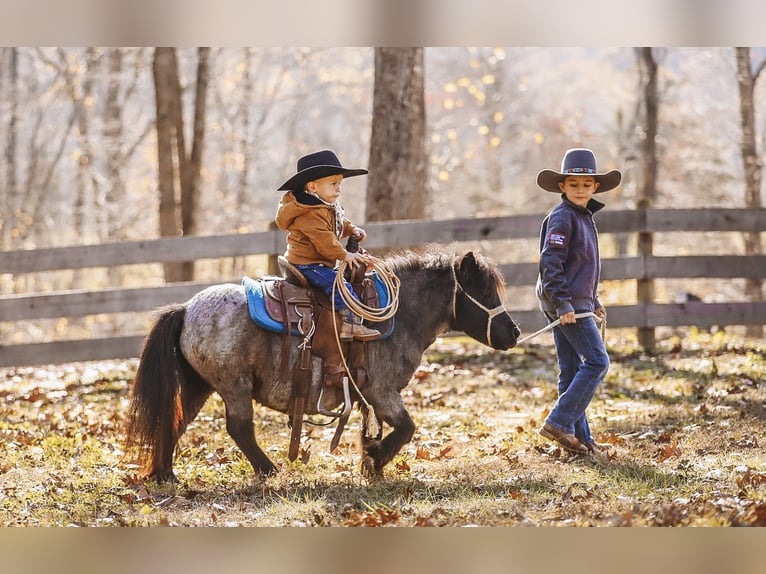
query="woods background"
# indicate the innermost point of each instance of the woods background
(105, 145)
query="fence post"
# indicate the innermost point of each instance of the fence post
(272, 267)
(645, 284)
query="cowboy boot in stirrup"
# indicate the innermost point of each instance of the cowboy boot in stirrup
(352, 328)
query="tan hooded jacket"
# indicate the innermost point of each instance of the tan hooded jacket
(312, 236)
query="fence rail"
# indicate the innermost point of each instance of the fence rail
(33, 306)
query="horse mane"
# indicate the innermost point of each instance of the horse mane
(436, 257)
(432, 257)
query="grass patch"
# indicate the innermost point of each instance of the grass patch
(686, 425)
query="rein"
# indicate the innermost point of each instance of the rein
(391, 283)
(491, 313)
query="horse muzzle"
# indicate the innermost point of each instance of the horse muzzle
(502, 333)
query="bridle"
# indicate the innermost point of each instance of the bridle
(491, 313)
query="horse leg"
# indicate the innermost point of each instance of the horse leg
(166, 394)
(191, 403)
(377, 453)
(193, 393)
(239, 425)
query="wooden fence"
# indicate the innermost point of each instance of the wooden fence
(646, 314)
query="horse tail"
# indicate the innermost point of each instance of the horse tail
(156, 414)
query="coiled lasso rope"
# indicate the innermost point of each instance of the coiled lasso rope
(391, 283)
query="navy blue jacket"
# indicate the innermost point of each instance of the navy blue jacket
(570, 267)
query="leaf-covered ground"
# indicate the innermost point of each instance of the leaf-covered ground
(686, 425)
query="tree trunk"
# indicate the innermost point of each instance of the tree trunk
(113, 136)
(9, 192)
(165, 69)
(191, 166)
(87, 185)
(179, 172)
(753, 166)
(494, 103)
(81, 94)
(244, 214)
(396, 186)
(244, 117)
(647, 66)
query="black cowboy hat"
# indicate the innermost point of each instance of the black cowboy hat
(578, 161)
(316, 166)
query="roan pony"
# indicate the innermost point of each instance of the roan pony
(210, 344)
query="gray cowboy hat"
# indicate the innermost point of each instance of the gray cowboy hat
(316, 166)
(578, 161)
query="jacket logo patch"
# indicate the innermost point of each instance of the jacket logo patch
(557, 239)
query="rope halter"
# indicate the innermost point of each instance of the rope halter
(491, 313)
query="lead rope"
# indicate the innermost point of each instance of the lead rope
(492, 313)
(558, 321)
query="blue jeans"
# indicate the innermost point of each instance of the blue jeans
(322, 277)
(583, 364)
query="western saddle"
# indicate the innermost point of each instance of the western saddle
(296, 303)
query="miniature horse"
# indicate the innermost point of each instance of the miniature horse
(210, 344)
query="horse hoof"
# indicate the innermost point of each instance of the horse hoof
(369, 469)
(266, 471)
(162, 477)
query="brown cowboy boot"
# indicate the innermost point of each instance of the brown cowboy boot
(352, 328)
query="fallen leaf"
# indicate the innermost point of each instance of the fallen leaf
(424, 521)
(443, 453)
(750, 477)
(305, 454)
(422, 453)
(610, 438)
(665, 437)
(375, 517)
(669, 450)
(756, 515)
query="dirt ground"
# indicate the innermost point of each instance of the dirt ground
(685, 425)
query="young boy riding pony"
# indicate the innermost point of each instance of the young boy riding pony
(314, 219)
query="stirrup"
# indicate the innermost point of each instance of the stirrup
(291, 273)
(346, 402)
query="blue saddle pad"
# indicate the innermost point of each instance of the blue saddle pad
(257, 305)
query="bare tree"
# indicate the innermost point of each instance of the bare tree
(647, 193)
(179, 171)
(117, 151)
(125, 78)
(9, 190)
(191, 167)
(44, 151)
(113, 136)
(79, 86)
(167, 95)
(747, 76)
(396, 187)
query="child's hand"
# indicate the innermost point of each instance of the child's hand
(352, 258)
(359, 234)
(568, 318)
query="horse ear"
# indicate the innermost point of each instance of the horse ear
(468, 262)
